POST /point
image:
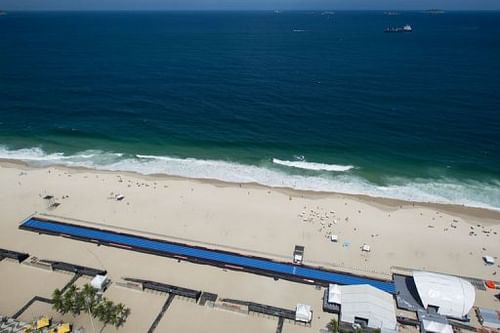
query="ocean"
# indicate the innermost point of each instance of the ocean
(305, 100)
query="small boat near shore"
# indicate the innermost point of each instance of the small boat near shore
(406, 28)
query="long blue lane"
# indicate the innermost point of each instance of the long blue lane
(205, 254)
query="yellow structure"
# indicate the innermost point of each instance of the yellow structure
(64, 328)
(42, 323)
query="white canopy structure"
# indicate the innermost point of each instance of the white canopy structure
(451, 295)
(99, 282)
(489, 260)
(370, 304)
(334, 294)
(303, 313)
(435, 327)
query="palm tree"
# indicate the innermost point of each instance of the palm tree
(333, 326)
(75, 301)
(122, 313)
(109, 313)
(57, 300)
(88, 298)
(78, 303)
(106, 311)
(98, 311)
(69, 300)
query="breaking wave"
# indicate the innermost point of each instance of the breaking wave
(313, 166)
(446, 190)
(38, 157)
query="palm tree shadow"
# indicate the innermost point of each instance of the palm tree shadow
(125, 312)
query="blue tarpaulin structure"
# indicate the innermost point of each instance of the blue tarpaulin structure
(203, 255)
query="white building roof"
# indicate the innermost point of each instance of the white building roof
(453, 296)
(365, 301)
(98, 281)
(435, 327)
(303, 313)
(334, 294)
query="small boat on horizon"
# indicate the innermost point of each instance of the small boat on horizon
(406, 28)
(434, 11)
(392, 13)
(2, 13)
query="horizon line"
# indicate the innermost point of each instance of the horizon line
(248, 10)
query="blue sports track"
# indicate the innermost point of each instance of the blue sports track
(230, 260)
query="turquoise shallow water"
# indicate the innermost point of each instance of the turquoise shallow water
(297, 99)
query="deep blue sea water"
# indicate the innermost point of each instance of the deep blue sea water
(295, 99)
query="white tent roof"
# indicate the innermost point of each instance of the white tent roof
(334, 294)
(98, 281)
(303, 313)
(453, 296)
(435, 327)
(489, 260)
(365, 301)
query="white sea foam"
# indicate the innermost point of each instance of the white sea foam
(38, 157)
(313, 166)
(29, 154)
(469, 193)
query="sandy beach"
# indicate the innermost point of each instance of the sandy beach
(244, 218)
